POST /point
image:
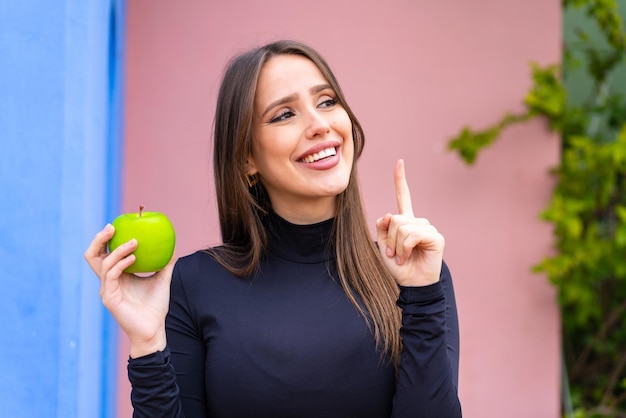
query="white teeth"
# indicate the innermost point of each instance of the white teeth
(319, 155)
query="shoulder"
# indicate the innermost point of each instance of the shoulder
(200, 260)
(199, 269)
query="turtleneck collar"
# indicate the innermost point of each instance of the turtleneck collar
(300, 243)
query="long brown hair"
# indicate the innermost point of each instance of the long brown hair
(364, 278)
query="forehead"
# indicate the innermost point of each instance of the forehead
(287, 74)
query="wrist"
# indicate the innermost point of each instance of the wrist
(421, 295)
(146, 347)
(412, 282)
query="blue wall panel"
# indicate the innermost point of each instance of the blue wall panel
(59, 131)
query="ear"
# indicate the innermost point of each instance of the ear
(251, 169)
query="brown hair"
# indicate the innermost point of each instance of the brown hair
(241, 208)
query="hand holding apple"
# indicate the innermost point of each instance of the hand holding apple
(155, 237)
(137, 242)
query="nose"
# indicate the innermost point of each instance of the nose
(318, 125)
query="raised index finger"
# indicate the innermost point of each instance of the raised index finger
(403, 195)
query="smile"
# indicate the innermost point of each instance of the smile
(328, 152)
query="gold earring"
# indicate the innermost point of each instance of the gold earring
(252, 179)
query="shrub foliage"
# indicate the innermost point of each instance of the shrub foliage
(587, 208)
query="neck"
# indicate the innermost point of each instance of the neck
(310, 212)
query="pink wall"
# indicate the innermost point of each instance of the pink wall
(415, 73)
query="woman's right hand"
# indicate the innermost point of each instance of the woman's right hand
(138, 304)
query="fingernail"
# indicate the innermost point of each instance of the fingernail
(389, 252)
(107, 227)
(398, 260)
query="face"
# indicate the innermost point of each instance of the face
(302, 145)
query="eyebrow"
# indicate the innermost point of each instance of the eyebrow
(291, 97)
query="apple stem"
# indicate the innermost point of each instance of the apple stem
(141, 207)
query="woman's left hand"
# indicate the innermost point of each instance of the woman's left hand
(411, 248)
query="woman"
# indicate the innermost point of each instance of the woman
(299, 313)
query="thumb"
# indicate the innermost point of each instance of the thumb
(166, 272)
(169, 268)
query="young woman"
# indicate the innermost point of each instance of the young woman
(299, 313)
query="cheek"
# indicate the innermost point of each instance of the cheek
(344, 130)
(343, 125)
(269, 152)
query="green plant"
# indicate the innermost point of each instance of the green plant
(587, 208)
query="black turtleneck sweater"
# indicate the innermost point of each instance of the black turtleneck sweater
(288, 342)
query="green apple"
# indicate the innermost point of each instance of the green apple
(155, 239)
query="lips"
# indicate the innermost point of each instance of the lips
(320, 155)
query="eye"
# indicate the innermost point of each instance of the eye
(282, 115)
(327, 101)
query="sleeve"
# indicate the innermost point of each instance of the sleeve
(429, 367)
(154, 391)
(164, 384)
